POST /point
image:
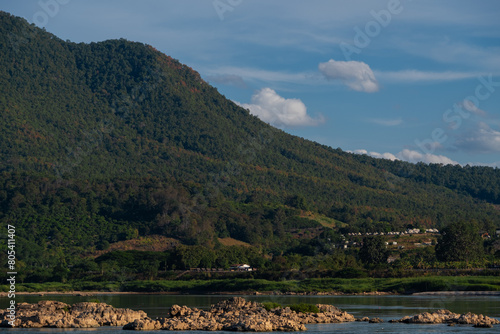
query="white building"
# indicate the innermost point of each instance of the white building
(241, 267)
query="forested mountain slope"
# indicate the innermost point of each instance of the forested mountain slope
(107, 141)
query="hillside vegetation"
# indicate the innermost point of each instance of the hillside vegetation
(112, 141)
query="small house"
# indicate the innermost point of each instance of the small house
(241, 267)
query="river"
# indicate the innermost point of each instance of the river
(384, 307)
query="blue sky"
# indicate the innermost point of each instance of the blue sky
(409, 80)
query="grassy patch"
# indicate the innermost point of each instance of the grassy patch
(322, 219)
(233, 242)
(304, 308)
(270, 305)
(343, 285)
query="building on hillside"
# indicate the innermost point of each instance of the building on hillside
(241, 267)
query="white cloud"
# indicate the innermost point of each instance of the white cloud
(469, 106)
(358, 151)
(410, 156)
(257, 74)
(412, 76)
(356, 75)
(388, 156)
(415, 156)
(386, 122)
(276, 110)
(463, 53)
(483, 139)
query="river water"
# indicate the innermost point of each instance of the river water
(384, 307)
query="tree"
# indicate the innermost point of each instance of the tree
(373, 251)
(460, 241)
(60, 273)
(149, 269)
(297, 201)
(278, 220)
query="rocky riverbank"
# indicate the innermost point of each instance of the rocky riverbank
(61, 315)
(235, 314)
(448, 317)
(238, 314)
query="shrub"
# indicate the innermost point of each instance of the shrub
(270, 305)
(304, 308)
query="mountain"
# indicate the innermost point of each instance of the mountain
(109, 141)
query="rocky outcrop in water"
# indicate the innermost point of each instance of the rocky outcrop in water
(61, 315)
(238, 314)
(448, 317)
(235, 314)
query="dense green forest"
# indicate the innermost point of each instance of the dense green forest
(110, 141)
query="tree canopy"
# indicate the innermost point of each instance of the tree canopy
(460, 241)
(373, 251)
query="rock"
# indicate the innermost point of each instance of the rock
(483, 325)
(61, 315)
(238, 314)
(235, 314)
(251, 325)
(375, 320)
(143, 324)
(328, 308)
(103, 314)
(234, 304)
(179, 311)
(446, 316)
